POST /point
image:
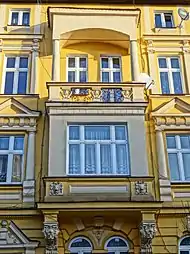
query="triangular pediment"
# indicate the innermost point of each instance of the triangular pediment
(173, 107)
(11, 235)
(12, 107)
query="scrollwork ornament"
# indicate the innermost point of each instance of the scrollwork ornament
(147, 233)
(51, 232)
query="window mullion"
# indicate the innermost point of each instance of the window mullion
(9, 167)
(163, 20)
(98, 158)
(113, 150)
(20, 15)
(170, 75)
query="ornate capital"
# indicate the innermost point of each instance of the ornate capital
(147, 233)
(141, 188)
(51, 232)
(56, 189)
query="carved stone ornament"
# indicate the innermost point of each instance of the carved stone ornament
(147, 233)
(98, 233)
(141, 188)
(51, 232)
(56, 189)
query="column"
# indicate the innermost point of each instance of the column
(34, 72)
(51, 231)
(30, 164)
(134, 60)
(56, 61)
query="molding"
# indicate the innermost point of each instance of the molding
(181, 194)
(10, 196)
(98, 189)
(21, 36)
(166, 37)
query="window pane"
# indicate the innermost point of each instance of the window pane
(168, 20)
(121, 159)
(117, 77)
(185, 241)
(14, 19)
(97, 132)
(175, 63)
(105, 159)
(80, 243)
(186, 163)
(185, 142)
(104, 62)
(26, 19)
(174, 167)
(71, 76)
(22, 82)
(17, 168)
(162, 63)
(90, 159)
(11, 62)
(74, 159)
(23, 62)
(82, 62)
(116, 63)
(82, 76)
(4, 143)
(116, 242)
(105, 76)
(9, 79)
(71, 62)
(158, 22)
(74, 133)
(177, 82)
(18, 143)
(171, 143)
(3, 167)
(184, 252)
(120, 133)
(164, 82)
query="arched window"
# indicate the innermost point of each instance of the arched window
(117, 245)
(80, 245)
(184, 246)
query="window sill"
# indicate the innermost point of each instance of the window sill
(164, 29)
(9, 28)
(19, 95)
(10, 185)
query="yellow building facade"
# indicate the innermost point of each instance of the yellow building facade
(94, 128)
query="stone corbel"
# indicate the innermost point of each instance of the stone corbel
(150, 47)
(147, 233)
(185, 47)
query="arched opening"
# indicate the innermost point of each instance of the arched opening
(184, 245)
(117, 245)
(80, 245)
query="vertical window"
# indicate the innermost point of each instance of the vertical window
(19, 18)
(77, 69)
(185, 245)
(98, 150)
(170, 75)
(80, 245)
(117, 245)
(11, 158)
(178, 148)
(164, 20)
(16, 75)
(110, 69)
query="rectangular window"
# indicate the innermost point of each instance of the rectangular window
(16, 75)
(178, 148)
(19, 18)
(110, 69)
(164, 20)
(11, 158)
(98, 150)
(77, 69)
(170, 75)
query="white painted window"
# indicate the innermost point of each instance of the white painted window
(19, 17)
(170, 75)
(110, 69)
(178, 147)
(163, 19)
(98, 150)
(184, 246)
(11, 158)
(77, 69)
(80, 245)
(117, 245)
(16, 75)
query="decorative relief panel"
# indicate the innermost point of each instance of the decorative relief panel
(141, 188)
(56, 189)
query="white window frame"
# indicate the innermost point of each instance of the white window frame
(184, 247)
(16, 71)
(80, 250)
(10, 152)
(163, 21)
(110, 68)
(119, 249)
(170, 70)
(20, 16)
(77, 68)
(112, 141)
(179, 151)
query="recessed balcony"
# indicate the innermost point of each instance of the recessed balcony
(96, 92)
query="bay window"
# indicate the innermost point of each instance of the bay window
(98, 150)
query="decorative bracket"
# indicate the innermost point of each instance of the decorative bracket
(51, 233)
(147, 233)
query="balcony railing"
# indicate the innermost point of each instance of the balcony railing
(96, 92)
